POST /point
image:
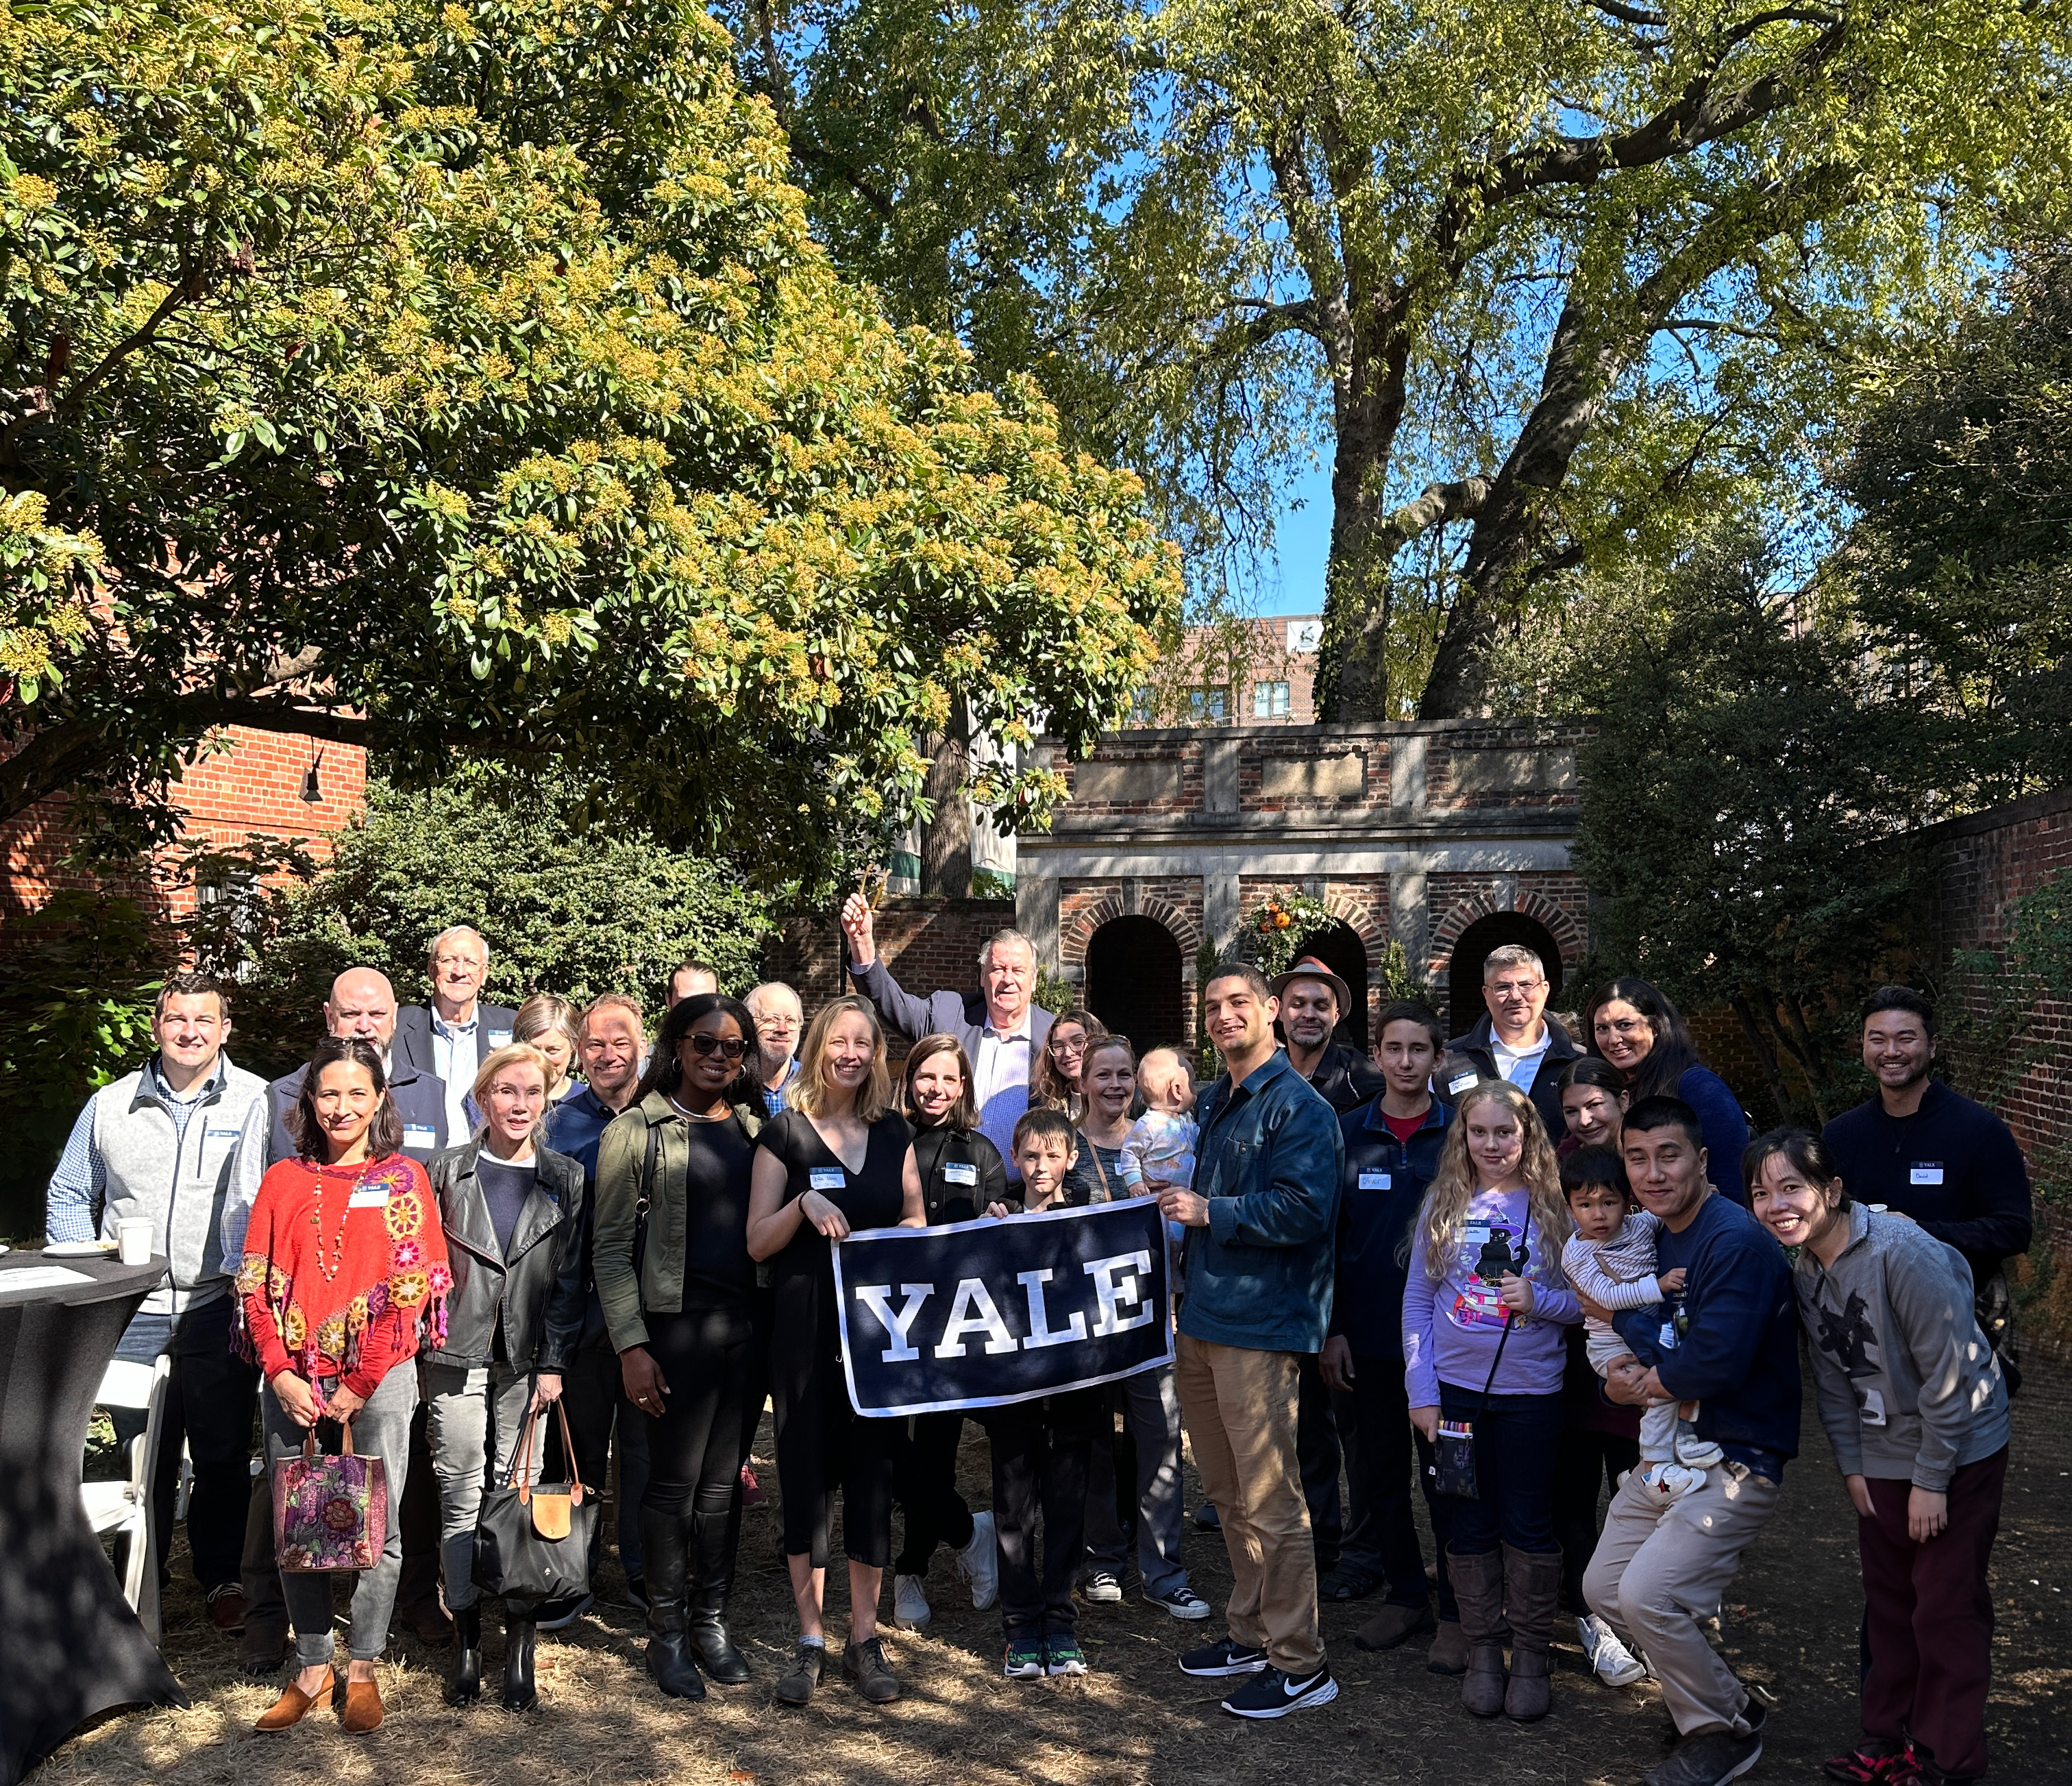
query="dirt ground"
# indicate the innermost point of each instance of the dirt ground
(1135, 1721)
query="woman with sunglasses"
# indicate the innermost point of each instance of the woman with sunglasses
(678, 1289)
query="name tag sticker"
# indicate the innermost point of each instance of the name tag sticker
(826, 1178)
(223, 1134)
(420, 1135)
(1667, 1338)
(956, 1172)
(499, 1039)
(1374, 1181)
(1925, 1174)
(1460, 1082)
(371, 1197)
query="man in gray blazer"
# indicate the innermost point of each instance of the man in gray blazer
(1001, 1030)
(451, 1036)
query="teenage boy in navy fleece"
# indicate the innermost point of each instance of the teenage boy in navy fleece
(1921, 1151)
(1729, 1341)
(1040, 1452)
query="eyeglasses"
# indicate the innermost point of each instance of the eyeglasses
(731, 1047)
(455, 960)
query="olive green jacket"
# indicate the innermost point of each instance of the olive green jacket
(622, 1165)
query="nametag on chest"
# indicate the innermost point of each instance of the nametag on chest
(420, 1135)
(1460, 1082)
(499, 1038)
(1375, 1181)
(1925, 1174)
(826, 1178)
(221, 1135)
(959, 1172)
(370, 1196)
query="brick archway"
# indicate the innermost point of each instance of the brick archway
(1072, 945)
(1528, 904)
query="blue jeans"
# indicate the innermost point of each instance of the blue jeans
(1516, 1439)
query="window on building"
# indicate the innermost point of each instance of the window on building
(1269, 701)
(1208, 706)
(1143, 708)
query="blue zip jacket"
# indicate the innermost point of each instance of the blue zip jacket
(1380, 1188)
(1735, 1334)
(1259, 1276)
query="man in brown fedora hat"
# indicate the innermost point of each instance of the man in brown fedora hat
(1313, 1002)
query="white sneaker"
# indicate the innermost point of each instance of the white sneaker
(1616, 1665)
(1699, 1454)
(1668, 1482)
(978, 1562)
(911, 1610)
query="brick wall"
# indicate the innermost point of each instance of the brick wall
(249, 782)
(1982, 864)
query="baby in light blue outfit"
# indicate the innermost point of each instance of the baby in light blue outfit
(1159, 1149)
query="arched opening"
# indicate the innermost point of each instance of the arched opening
(1340, 950)
(1133, 982)
(1464, 977)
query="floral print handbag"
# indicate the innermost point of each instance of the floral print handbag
(329, 1512)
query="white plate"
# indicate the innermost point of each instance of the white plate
(78, 1249)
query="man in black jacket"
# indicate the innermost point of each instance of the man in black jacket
(1513, 1040)
(450, 1036)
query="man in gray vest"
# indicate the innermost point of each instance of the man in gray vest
(161, 1144)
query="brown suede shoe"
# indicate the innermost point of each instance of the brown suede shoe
(1393, 1624)
(1449, 1653)
(292, 1705)
(363, 1708)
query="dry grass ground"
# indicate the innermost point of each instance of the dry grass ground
(1135, 1721)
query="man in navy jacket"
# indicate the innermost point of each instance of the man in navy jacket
(1921, 1150)
(1257, 1271)
(1729, 1341)
(1391, 1154)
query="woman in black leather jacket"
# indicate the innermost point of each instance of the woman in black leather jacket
(962, 1175)
(514, 1214)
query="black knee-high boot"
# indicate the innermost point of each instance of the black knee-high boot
(464, 1687)
(714, 1537)
(519, 1621)
(665, 1557)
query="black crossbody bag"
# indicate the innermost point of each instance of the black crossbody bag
(1453, 1452)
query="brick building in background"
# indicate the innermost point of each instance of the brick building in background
(268, 784)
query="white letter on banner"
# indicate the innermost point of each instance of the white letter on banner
(1041, 1332)
(877, 1299)
(974, 1295)
(1109, 1293)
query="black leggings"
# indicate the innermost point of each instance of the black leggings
(924, 1474)
(1588, 1459)
(822, 1446)
(694, 1447)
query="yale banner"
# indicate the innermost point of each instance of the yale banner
(976, 1314)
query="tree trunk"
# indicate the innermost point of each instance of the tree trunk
(1353, 673)
(946, 839)
(54, 759)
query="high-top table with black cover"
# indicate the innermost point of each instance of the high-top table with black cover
(70, 1647)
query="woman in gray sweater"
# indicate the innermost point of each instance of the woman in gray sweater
(1913, 1402)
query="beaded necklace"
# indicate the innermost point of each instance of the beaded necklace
(331, 1271)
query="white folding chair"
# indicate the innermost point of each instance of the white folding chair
(123, 1509)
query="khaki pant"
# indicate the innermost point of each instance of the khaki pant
(1658, 1570)
(1240, 1409)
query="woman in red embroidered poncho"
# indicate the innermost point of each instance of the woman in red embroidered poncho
(344, 1265)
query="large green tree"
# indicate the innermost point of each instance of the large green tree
(1545, 278)
(463, 378)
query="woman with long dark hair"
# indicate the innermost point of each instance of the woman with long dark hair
(840, 1159)
(677, 1284)
(962, 1176)
(1055, 1082)
(1632, 1024)
(344, 1263)
(1914, 1404)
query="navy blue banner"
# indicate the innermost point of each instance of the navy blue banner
(973, 1315)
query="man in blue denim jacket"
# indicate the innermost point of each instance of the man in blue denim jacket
(1256, 1296)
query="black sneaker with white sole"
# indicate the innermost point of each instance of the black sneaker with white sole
(1710, 1758)
(1218, 1660)
(1274, 1694)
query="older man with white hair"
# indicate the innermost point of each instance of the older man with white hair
(451, 1036)
(1003, 1032)
(779, 1020)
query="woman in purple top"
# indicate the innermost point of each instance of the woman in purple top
(1484, 1346)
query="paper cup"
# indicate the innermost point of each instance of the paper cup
(132, 1241)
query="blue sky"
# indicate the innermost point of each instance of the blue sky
(1303, 537)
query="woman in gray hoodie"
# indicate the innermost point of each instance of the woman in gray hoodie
(1913, 1402)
